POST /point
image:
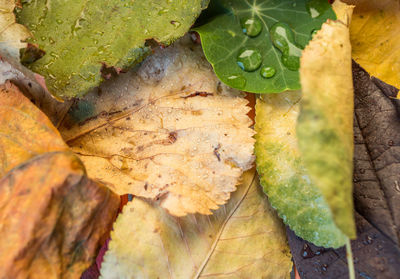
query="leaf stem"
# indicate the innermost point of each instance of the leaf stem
(349, 256)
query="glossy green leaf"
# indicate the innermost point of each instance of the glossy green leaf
(283, 174)
(247, 25)
(81, 37)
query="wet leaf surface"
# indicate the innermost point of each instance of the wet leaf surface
(376, 161)
(168, 130)
(249, 26)
(243, 239)
(82, 37)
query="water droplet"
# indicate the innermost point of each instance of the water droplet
(251, 26)
(237, 81)
(307, 253)
(249, 59)
(59, 21)
(267, 72)
(283, 39)
(43, 38)
(317, 7)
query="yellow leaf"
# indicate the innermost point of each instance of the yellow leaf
(243, 239)
(12, 34)
(24, 130)
(170, 131)
(325, 124)
(375, 38)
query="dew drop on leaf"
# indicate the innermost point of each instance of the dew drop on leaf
(237, 81)
(251, 26)
(283, 39)
(249, 59)
(267, 72)
(317, 7)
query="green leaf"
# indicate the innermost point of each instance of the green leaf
(283, 174)
(243, 239)
(223, 38)
(80, 37)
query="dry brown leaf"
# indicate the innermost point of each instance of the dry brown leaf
(53, 219)
(375, 37)
(243, 239)
(168, 131)
(12, 34)
(24, 130)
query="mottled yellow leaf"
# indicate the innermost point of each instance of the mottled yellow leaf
(169, 130)
(12, 34)
(325, 124)
(375, 38)
(24, 130)
(243, 239)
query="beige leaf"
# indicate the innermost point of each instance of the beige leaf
(168, 131)
(12, 34)
(243, 239)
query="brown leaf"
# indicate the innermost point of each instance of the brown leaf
(24, 130)
(376, 250)
(168, 130)
(52, 218)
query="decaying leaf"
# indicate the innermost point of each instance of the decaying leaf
(292, 134)
(243, 239)
(168, 131)
(376, 176)
(325, 123)
(53, 219)
(375, 36)
(12, 34)
(283, 174)
(83, 37)
(24, 130)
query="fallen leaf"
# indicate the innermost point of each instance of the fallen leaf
(168, 131)
(245, 27)
(24, 130)
(53, 219)
(81, 38)
(325, 124)
(290, 142)
(283, 175)
(375, 36)
(12, 34)
(376, 250)
(243, 239)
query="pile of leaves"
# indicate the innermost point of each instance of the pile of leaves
(132, 150)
